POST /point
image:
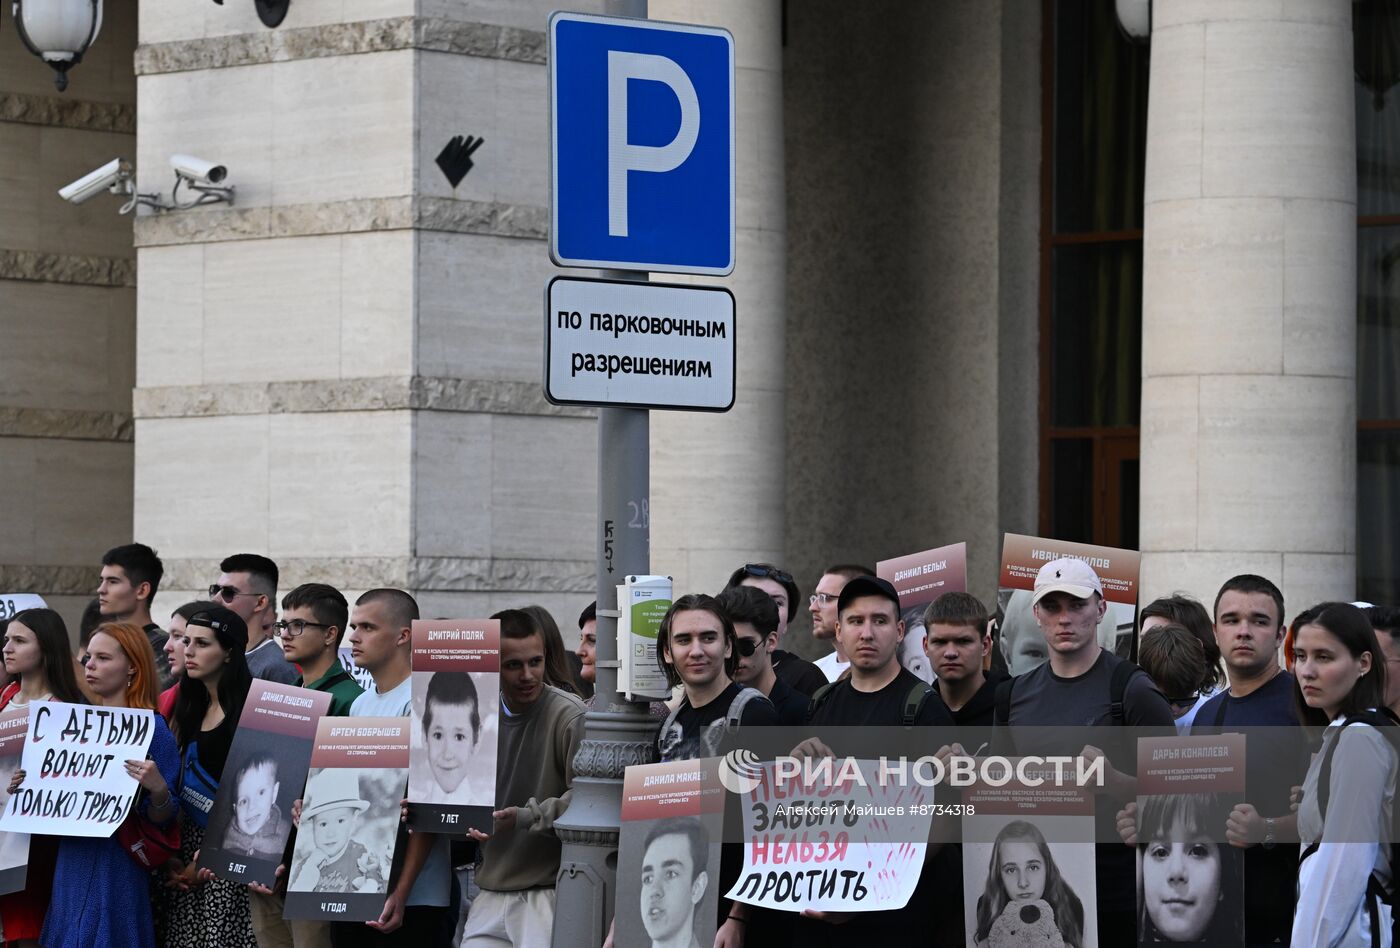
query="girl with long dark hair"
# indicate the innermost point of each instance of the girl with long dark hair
(1023, 870)
(40, 662)
(206, 914)
(1345, 818)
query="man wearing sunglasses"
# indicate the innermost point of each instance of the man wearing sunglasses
(800, 674)
(247, 584)
(755, 618)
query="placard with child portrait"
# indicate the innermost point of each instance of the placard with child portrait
(1190, 879)
(14, 847)
(266, 768)
(344, 849)
(456, 706)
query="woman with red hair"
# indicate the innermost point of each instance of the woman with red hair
(101, 896)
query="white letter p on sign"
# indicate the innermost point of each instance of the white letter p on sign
(624, 157)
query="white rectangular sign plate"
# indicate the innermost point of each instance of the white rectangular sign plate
(642, 345)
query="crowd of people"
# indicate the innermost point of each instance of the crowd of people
(1314, 850)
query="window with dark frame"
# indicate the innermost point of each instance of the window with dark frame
(1376, 32)
(1094, 141)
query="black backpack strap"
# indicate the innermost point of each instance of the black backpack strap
(734, 716)
(819, 698)
(914, 702)
(1324, 770)
(1123, 673)
(1002, 715)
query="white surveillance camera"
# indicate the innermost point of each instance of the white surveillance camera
(110, 177)
(198, 170)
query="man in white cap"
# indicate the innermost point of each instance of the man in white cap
(1082, 684)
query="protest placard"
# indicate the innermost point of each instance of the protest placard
(361, 676)
(262, 777)
(11, 604)
(1028, 861)
(75, 784)
(669, 854)
(1190, 880)
(349, 819)
(456, 701)
(832, 836)
(1019, 640)
(14, 847)
(919, 579)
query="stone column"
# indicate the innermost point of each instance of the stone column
(342, 370)
(1249, 300)
(718, 481)
(67, 318)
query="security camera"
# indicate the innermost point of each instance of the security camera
(114, 176)
(197, 170)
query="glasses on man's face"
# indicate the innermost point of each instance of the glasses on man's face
(291, 628)
(747, 647)
(822, 599)
(1185, 701)
(762, 570)
(226, 593)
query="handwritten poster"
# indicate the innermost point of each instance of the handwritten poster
(833, 838)
(75, 784)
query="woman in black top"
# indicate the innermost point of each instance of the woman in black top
(199, 913)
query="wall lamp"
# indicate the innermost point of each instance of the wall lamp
(58, 31)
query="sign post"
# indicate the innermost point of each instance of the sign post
(642, 162)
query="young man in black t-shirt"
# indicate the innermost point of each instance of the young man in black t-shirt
(870, 632)
(803, 676)
(696, 648)
(1074, 688)
(879, 693)
(958, 641)
(755, 618)
(1249, 630)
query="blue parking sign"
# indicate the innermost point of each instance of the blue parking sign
(642, 145)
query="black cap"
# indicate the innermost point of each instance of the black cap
(228, 625)
(866, 586)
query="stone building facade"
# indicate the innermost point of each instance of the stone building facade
(342, 370)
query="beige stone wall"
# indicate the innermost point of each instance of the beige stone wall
(356, 344)
(911, 328)
(67, 318)
(1249, 296)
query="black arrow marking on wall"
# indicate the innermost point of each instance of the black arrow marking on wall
(455, 159)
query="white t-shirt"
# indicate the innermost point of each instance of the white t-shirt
(393, 703)
(831, 666)
(430, 888)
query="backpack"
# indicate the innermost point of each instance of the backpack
(1375, 892)
(913, 702)
(1123, 673)
(715, 733)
